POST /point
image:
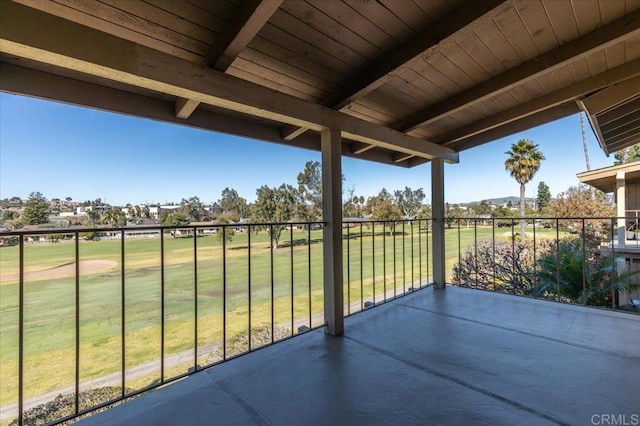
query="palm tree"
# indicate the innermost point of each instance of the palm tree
(111, 217)
(523, 163)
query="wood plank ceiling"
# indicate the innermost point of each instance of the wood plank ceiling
(420, 79)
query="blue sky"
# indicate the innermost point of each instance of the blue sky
(62, 150)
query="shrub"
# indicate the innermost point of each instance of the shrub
(580, 275)
(64, 405)
(506, 266)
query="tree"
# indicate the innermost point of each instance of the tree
(113, 217)
(193, 210)
(523, 163)
(173, 218)
(583, 202)
(36, 210)
(275, 205)
(350, 205)
(310, 189)
(224, 233)
(381, 207)
(409, 201)
(452, 214)
(9, 215)
(482, 208)
(232, 205)
(627, 155)
(544, 197)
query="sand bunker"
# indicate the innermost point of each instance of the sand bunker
(64, 271)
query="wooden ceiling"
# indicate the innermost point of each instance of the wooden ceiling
(405, 80)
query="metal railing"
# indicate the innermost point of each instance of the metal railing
(130, 309)
(574, 260)
(119, 311)
(163, 301)
(384, 260)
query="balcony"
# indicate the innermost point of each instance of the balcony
(454, 356)
(174, 307)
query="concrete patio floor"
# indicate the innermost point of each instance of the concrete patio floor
(442, 357)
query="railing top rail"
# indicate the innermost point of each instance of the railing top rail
(73, 230)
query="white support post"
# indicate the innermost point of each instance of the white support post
(332, 245)
(437, 207)
(621, 207)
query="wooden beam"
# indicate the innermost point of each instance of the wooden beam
(612, 96)
(545, 63)
(185, 107)
(291, 132)
(424, 45)
(388, 66)
(28, 82)
(30, 34)
(533, 120)
(238, 33)
(399, 158)
(561, 96)
(359, 147)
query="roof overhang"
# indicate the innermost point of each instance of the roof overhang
(614, 114)
(605, 179)
(404, 82)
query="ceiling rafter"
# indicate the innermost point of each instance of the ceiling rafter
(561, 96)
(393, 64)
(238, 33)
(43, 85)
(26, 33)
(578, 48)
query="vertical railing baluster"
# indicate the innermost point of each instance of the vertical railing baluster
(412, 270)
(404, 266)
(21, 332)
(584, 265)
(361, 272)
(224, 292)
(613, 264)
(535, 262)
(493, 250)
(373, 258)
(558, 259)
(309, 273)
(459, 243)
(420, 252)
(393, 229)
(195, 298)
(426, 243)
(475, 247)
(162, 306)
(384, 260)
(272, 280)
(348, 269)
(292, 292)
(122, 314)
(249, 285)
(513, 256)
(77, 305)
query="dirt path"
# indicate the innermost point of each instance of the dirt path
(64, 271)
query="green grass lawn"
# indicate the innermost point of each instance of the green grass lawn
(378, 261)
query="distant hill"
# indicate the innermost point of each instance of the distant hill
(500, 201)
